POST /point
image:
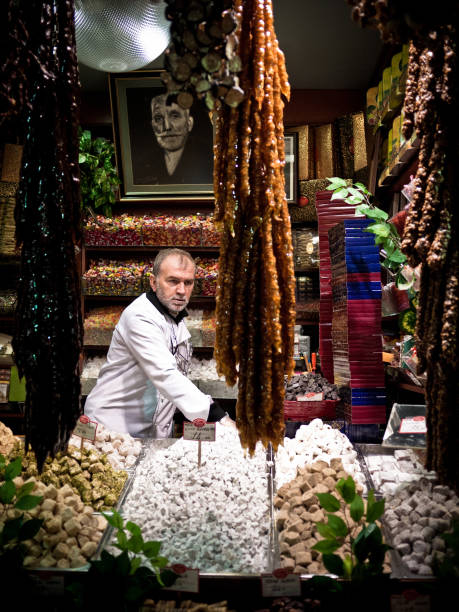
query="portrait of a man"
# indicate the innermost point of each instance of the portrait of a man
(164, 148)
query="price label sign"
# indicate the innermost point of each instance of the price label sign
(199, 430)
(281, 583)
(85, 428)
(410, 601)
(413, 425)
(187, 579)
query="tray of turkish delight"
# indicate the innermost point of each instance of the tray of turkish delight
(419, 510)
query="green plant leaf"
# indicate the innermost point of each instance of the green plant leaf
(356, 192)
(27, 502)
(81, 158)
(376, 511)
(333, 563)
(161, 562)
(362, 209)
(327, 546)
(337, 525)
(151, 549)
(402, 283)
(122, 540)
(2, 461)
(11, 529)
(123, 564)
(368, 540)
(353, 200)
(336, 181)
(377, 213)
(7, 492)
(398, 256)
(339, 194)
(328, 502)
(380, 229)
(114, 519)
(13, 469)
(346, 489)
(325, 530)
(26, 488)
(362, 187)
(135, 543)
(135, 564)
(134, 529)
(348, 566)
(357, 508)
(29, 529)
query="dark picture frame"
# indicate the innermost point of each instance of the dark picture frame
(291, 166)
(140, 160)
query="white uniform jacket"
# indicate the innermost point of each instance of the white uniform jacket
(140, 385)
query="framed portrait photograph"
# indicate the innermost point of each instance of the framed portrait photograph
(162, 150)
(291, 166)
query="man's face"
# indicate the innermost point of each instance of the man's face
(174, 283)
(171, 124)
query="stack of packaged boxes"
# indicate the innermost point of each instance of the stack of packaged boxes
(329, 213)
(356, 321)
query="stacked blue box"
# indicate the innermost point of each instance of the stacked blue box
(356, 320)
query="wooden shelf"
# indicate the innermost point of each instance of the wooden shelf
(307, 270)
(148, 249)
(411, 387)
(403, 158)
(197, 300)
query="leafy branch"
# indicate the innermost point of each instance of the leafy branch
(125, 580)
(98, 178)
(385, 232)
(15, 531)
(367, 548)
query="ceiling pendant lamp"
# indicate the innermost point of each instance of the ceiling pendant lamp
(120, 35)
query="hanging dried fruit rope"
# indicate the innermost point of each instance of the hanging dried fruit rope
(48, 335)
(431, 235)
(255, 295)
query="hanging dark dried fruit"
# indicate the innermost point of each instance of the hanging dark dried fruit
(203, 39)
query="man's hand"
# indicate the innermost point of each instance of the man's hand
(228, 422)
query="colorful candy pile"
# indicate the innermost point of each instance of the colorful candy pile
(113, 278)
(157, 230)
(209, 323)
(124, 230)
(206, 276)
(100, 323)
(165, 230)
(210, 235)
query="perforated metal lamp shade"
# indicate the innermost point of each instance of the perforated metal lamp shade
(120, 35)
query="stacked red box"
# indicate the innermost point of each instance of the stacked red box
(329, 213)
(356, 321)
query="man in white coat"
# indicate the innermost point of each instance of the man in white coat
(144, 378)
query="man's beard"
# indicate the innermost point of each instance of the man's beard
(169, 303)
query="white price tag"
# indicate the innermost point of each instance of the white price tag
(187, 579)
(280, 583)
(85, 428)
(48, 583)
(204, 433)
(310, 397)
(416, 425)
(410, 601)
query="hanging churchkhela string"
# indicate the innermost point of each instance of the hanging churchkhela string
(255, 295)
(48, 335)
(431, 235)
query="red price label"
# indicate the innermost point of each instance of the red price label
(199, 422)
(281, 572)
(179, 568)
(84, 419)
